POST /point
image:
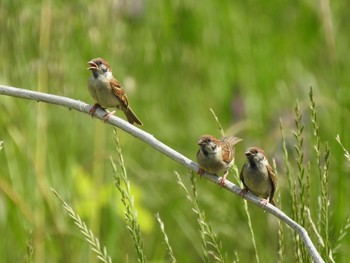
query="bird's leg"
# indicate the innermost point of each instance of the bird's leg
(200, 172)
(222, 180)
(93, 109)
(243, 191)
(107, 115)
(264, 201)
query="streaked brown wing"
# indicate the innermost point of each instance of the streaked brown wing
(227, 152)
(120, 93)
(231, 140)
(228, 144)
(273, 180)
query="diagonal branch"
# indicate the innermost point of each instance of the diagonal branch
(153, 142)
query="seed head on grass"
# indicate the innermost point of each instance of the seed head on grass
(342, 233)
(300, 197)
(323, 170)
(30, 249)
(89, 236)
(346, 152)
(166, 239)
(207, 236)
(123, 185)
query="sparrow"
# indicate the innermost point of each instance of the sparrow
(257, 175)
(216, 156)
(107, 91)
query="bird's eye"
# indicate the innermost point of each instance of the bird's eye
(255, 151)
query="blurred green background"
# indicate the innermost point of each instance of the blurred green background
(250, 61)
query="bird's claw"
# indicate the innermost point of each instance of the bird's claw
(264, 202)
(222, 182)
(200, 172)
(93, 109)
(223, 179)
(107, 115)
(243, 192)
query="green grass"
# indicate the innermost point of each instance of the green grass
(247, 61)
(123, 185)
(210, 246)
(87, 233)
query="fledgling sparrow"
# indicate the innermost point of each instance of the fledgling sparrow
(216, 156)
(107, 91)
(257, 175)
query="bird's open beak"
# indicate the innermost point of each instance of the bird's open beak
(200, 142)
(92, 65)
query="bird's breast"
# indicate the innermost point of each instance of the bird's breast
(211, 162)
(258, 181)
(101, 92)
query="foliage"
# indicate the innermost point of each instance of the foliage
(87, 233)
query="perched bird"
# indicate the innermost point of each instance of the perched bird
(257, 175)
(107, 91)
(216, 156)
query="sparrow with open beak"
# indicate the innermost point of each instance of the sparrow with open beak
(257, 176)
(216, 156)
(107, 91)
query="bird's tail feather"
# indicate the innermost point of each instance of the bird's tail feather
(131, 116)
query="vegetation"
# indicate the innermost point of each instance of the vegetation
(275, 74)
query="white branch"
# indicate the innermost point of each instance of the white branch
(153, 142)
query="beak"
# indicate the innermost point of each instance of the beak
(92, 65)
(200, 142)
(248, 153)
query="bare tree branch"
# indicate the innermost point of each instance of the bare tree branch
(153, 142)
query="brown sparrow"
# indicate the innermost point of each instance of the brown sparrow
(257, 175)
(107, 91)
(215, 156)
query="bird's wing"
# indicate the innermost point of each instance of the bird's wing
(227, 152)
(119, 93)
(232, 140)
(273, 180)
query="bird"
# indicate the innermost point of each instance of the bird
(257, 175)
(107, 91)
(216, 156)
